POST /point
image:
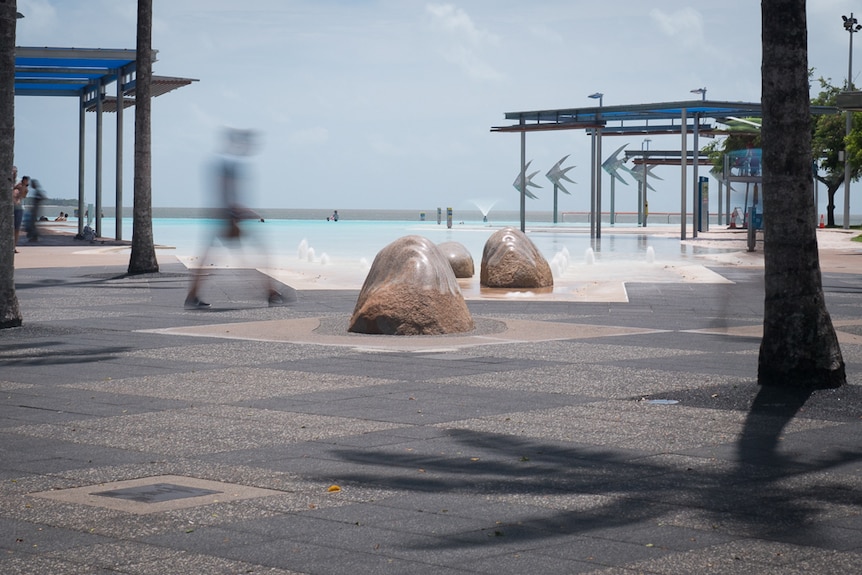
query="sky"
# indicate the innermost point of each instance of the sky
(388, 104)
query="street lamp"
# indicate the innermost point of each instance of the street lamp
(597, 96)
(701, 91)
(852, 26)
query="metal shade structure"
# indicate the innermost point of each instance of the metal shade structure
(85, 73)
(682, 117)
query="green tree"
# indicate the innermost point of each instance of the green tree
(10, 313)
(799, 348)
(143, 256)
(828, 140)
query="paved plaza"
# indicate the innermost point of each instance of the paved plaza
(609, 436)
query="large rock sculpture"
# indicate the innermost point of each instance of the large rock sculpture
(511, 260)
(411, 290)
(459, 258)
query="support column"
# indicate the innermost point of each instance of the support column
(81, 144)
(98, 208)
(598, 170)
(695, 204)
(523, 177)
(683, 162)
(725, 173)
(118, 201)
(556, 187)
(593, 185)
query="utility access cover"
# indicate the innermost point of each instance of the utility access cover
(156, 494)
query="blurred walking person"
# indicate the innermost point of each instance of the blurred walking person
(231, 177)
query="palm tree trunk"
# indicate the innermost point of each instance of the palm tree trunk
(143, 257)
(799, 346)
(10, 314)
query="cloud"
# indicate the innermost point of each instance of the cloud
(463, 42)
(457, 22)
(685, 25)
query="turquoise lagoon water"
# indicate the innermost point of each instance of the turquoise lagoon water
(356, 240)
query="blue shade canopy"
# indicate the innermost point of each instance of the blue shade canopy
(79, 72)
(68, 71)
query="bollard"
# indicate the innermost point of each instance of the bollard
(752, 230)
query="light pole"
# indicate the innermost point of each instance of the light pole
(852, 26)
(643, 204)
(595, 175)
(701, 91)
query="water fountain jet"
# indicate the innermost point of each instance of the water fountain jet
(484, 205)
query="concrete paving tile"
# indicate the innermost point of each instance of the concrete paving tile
(606, 552)
(592, 381)
(201, 430)
(251, 354)
(38, 565)
(196, 563)
(426, 407)
(378, 514)
(829, 563)
(311, 558)
(655, 533)
(34, 538)
(226, 385)
(60, 405)
(527, 561)
(115, 555)
(823, 536)
(206, 539)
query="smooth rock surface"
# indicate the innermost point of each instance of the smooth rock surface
(459, 258)
(410, 290)
(511, 260)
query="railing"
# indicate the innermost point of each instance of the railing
(631, 218)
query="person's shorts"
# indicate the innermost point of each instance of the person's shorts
(19, 216)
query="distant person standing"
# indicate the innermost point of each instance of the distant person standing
(230, 180)
(19, 192)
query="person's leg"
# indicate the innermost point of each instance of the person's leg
(192, 299)
(273, 296)
(19, 216)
